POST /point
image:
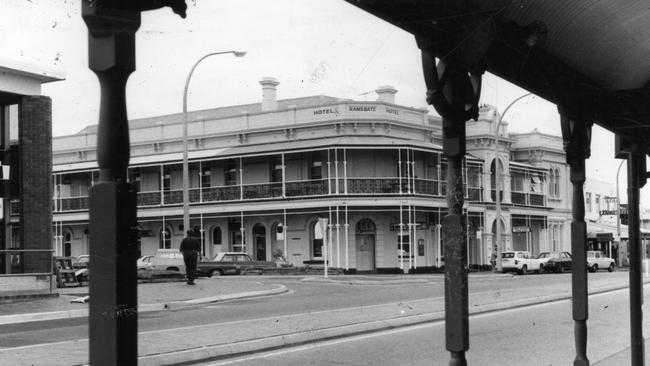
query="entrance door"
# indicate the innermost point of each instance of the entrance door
(365, 252)
(259, 237)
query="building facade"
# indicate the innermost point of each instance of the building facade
(25, 179)
(361, 184)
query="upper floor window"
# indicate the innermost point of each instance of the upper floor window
(135, 178)
(535, 183)
(597, 202)
(588, 201)
(316, 170)
(276, 170)
(167, 180)
(230, 173)
(206, 177)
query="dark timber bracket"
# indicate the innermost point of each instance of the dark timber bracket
(454, 92)
(636, 178)
(576, 133)
(113, 315)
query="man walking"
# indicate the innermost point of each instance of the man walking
(190, 247)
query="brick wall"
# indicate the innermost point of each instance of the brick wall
(35, 175)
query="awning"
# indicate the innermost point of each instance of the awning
(607, 232)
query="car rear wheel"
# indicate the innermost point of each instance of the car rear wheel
(541, 269)
(594, 268)
(611, 267)
(215, 272)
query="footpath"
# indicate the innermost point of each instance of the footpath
(227, 339)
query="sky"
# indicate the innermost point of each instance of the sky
(315, 47)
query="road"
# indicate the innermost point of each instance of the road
(536, 335)
(308, 297)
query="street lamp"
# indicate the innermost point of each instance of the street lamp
(186, 174)
(497, 195)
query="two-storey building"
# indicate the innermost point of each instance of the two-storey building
(297, 180)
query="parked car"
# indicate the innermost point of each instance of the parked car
(598, 260)
(232, 263)
(144, 262)
(81, 261)
(557, 261)
(169, 260)
(520, 261)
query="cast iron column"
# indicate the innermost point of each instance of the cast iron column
(113, 321)
(454, 93)
(576, 134)
(636, 176)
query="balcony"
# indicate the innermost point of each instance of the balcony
(292, 189)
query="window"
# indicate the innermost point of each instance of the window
(317, 241)
(230, 173)
(276, 170)
(597, 202)
(167, 180)
(67, 244)
(165, 237)
(556, 187)
(206, 177)
(235, 235)
(588, 201)
(535, 183)
(135, 179)
(316, 170)
(216, 236)
(403, 247)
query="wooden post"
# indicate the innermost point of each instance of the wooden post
(636, 171)
(113, 320)
(577, 138)
(454, 92)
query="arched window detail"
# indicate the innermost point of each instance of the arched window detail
(365, 226)
(216, 235)
(317, 239)
(165, 238)
(67, 244)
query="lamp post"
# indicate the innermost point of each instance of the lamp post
(186, 174)
(497, 195)
(618, 215)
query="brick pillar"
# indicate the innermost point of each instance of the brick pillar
(35, 180)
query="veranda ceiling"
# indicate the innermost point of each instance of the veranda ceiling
(592, 56)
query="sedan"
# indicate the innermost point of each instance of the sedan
(556, 261)
(144, 263)
(232, 263)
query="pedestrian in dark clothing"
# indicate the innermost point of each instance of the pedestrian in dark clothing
(190, 247)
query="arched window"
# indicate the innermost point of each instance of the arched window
(556, 183)
(67, 244)
(216, 235)
(317, 238)
(165, 237)
(365, 226)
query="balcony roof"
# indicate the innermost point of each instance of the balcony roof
(590, 53)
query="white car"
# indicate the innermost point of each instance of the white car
(144, 262)
(598, 260)
(520, 261)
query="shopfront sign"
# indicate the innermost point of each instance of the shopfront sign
(520, 229)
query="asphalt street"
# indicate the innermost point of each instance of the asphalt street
(532, 335)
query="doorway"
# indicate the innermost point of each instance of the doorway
(259, 240)
(365, 248)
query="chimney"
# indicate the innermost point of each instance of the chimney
(386, 93)
(269, 98)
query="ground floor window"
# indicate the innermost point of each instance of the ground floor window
(165, 237)
(318, 236)
(403, 246)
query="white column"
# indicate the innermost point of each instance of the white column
(345, 171)
(347, 247)
(336, 170)
(284, 179)
(338, 237)
(401, 233)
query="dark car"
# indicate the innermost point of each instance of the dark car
(231, 263)
(557, 261)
